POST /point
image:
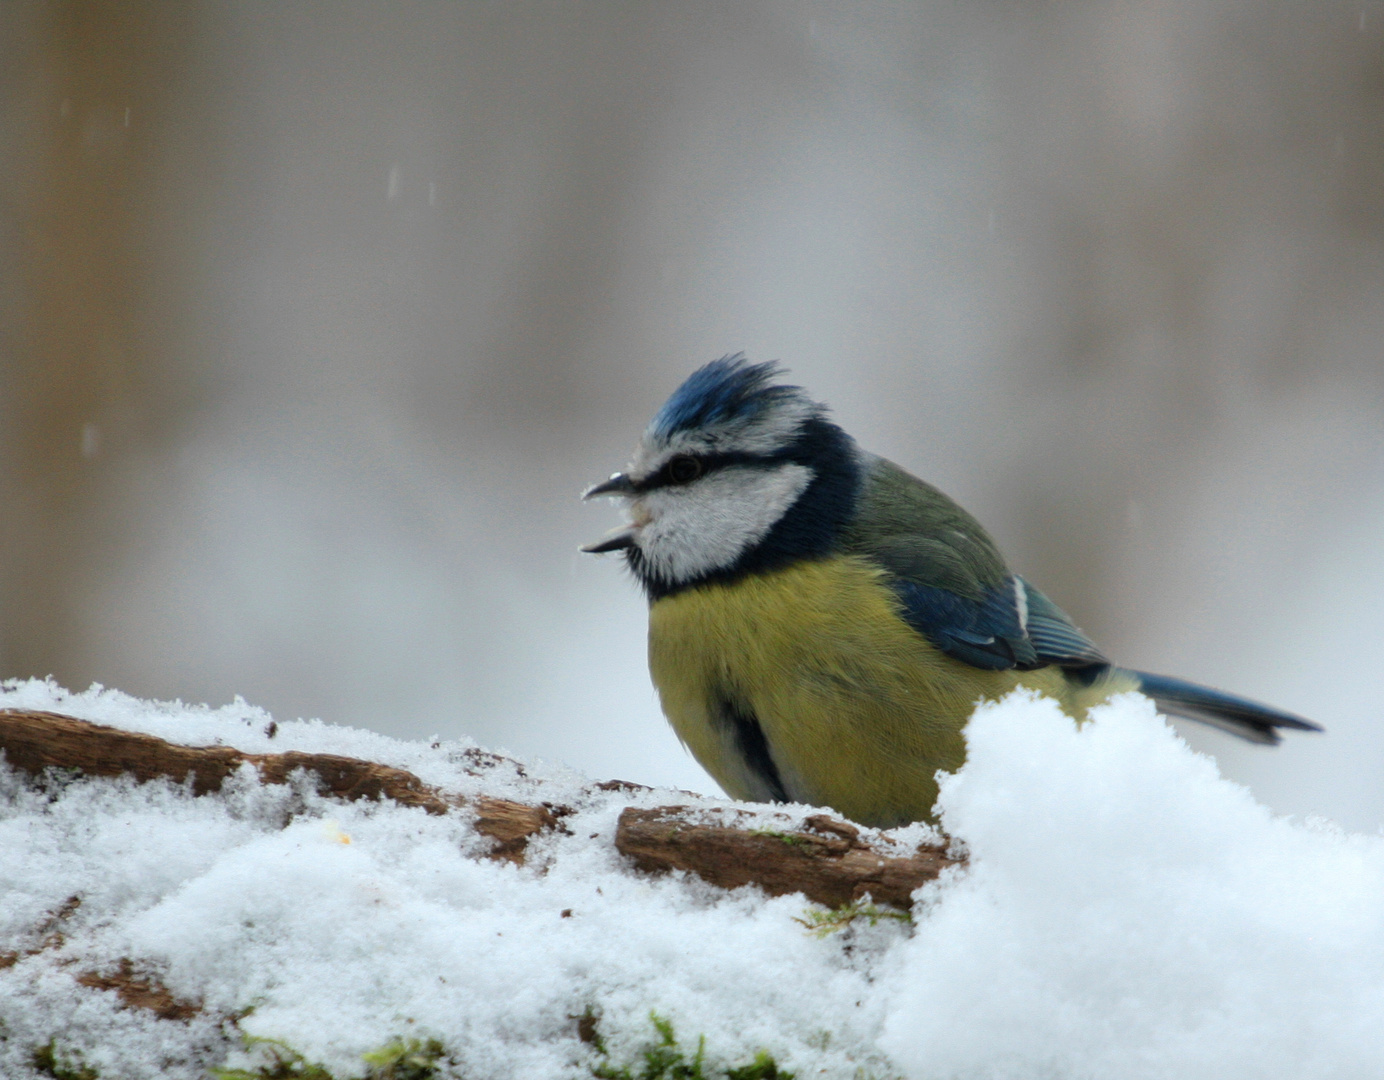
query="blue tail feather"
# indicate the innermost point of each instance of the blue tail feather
(1239, 716)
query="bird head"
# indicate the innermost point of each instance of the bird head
(736, 472)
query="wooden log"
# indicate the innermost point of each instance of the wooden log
(827, 861)
(35, 741)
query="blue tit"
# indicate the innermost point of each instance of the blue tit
(822, 623)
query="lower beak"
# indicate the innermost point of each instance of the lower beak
(616, 541)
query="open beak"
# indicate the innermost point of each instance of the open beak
(618, 484)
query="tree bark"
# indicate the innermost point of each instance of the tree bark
(826, 860)
(35, 741)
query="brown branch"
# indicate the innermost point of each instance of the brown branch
(826, 860)
(141, 992)
(828, 863)
(135, 991)
(35, 741)
(48, 932)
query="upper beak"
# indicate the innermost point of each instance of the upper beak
(618, 484)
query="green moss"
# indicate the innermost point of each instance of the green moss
(763, 1067)
(47, 1062)
(663, 1058)
(406, 1059)
(666, 1059)
(791, 839)
(824, 921)
(282, 1063)
(399, 1059)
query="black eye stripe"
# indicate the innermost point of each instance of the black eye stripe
(668, 475)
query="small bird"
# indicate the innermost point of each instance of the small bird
(822, 623)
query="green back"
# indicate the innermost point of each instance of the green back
(919, 534)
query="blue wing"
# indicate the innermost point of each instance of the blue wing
(1009, 625)
(952, 582)
(985, 632)
(1056, 639)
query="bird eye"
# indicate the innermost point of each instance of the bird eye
(683, 470)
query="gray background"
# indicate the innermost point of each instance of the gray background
(317, 317)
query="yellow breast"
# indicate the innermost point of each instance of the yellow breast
(858, 710)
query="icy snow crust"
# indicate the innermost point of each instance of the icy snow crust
(1126, 913)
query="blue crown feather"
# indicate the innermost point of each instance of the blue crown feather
(728, 389)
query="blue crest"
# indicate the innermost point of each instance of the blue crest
(727, 389)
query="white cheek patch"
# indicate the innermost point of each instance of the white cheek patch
(708, 524)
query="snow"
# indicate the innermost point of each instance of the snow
(1125, 912)
(1129, 913)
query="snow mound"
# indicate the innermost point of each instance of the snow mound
(1125, 912)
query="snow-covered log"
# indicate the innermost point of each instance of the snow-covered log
(828, 862)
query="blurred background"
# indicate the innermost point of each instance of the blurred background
(315, 319)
